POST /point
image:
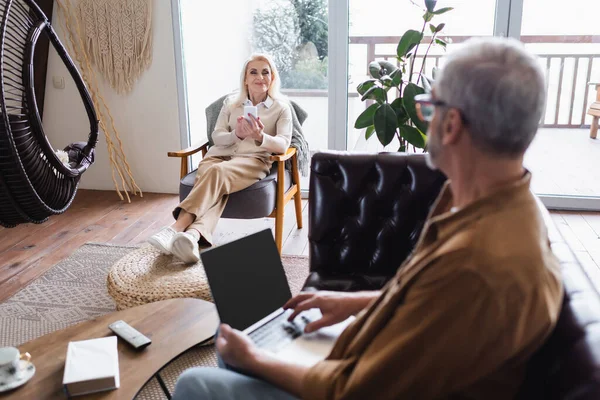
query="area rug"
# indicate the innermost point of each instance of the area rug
(74, 291)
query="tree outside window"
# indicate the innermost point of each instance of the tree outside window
(295, 34)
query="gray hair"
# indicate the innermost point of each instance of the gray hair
(500, 89)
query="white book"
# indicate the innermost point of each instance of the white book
(91, 366)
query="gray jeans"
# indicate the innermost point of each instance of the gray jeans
(205, 383)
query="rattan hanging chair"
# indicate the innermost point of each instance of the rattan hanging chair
(34, 182)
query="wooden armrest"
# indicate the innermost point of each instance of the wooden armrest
(189, 151)
(184, 154)
(282, 157)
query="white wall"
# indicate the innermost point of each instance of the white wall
(215, 39)
(147, 118)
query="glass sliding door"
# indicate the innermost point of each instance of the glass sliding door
(564, 158)
(295, 33)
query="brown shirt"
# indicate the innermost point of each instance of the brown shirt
(480, 293)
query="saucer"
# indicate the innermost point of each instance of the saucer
(8, 382)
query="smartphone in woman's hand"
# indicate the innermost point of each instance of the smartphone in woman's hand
(250, 110)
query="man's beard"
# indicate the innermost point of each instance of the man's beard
(433, 152)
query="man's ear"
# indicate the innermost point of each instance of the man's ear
(452, 127)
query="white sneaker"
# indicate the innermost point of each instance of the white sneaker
(161, 240)
(185, 247)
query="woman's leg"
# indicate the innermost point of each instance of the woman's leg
(236, 174)
(162, 240)
(224, 178)
(199, 199)
(184, 219)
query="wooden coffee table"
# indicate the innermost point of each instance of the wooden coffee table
(173, 325)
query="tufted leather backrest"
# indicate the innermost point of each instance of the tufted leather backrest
(366, 211)
(568, 364)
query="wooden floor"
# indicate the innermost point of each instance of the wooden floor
(28, 251)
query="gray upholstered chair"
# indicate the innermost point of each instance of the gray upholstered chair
(265, 198)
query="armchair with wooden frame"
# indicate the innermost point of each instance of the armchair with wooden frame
(265, 198)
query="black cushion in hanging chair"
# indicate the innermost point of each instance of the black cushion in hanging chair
(34, 182)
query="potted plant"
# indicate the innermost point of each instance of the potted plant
(398, 117)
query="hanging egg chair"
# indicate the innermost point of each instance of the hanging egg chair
(34, 182)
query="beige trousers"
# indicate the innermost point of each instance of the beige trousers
(217, 177)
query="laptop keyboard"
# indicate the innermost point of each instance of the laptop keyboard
(278, 332)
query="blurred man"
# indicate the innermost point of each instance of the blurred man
(482, 290)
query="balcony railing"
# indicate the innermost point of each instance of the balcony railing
(567, 74)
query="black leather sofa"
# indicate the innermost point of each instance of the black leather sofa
(366, 212)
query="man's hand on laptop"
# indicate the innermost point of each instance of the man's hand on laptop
(334, 306)
(237, 350)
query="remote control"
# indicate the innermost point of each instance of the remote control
(126, 332)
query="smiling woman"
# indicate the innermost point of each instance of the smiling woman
(240, 156)
(259, 79)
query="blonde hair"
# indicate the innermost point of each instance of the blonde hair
(274, 89)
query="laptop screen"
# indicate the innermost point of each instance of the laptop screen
(247, 279)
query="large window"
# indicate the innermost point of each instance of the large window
(323, 48)
(293, 32)
(563, 158)
(374, 35)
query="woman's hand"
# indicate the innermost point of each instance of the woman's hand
(255, 128)
(335, 306)
(241, 128)
(236, 349)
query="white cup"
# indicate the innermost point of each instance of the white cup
(9, 361)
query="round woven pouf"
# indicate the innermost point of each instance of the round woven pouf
(145, 276)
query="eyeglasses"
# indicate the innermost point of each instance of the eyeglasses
(425, 105)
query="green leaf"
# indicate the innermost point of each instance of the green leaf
(439, 27)
(413, 136)
(402, 148)
(441, 43)
(366, 85)
(428, 16)
(396, 77)
(374, 68)
(385, 123)
(443, 10)
(365, 119)
(388, 66)
(432, 28)
(375, 93)
(386, 80)
(400, 111)
(430, 4)
(369, 132)
(408, 98)
(408, 41)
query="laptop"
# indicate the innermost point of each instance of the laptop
(249, 288)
